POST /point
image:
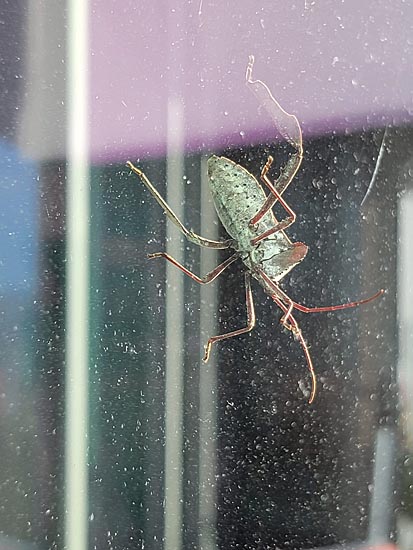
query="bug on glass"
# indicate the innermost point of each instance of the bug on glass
(257, 237)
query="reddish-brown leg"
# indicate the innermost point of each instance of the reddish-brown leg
(289, 128)
(281, 296)
(285, 318)
(289, 321)
(208, 278)
(294, 305)
(250, 323)
(283, 224)
(280, 185)
(306, 309)
(295, 329)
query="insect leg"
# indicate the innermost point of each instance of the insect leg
(321, 309)
(295, 329)
(290, 129)
(280, 184)
(248, 328)
(294, 305)
(283, 224)
(208, 278)
(306, 309)
(189, 234)
(284, 302)
(290, 323)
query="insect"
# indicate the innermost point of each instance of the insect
(257, 238)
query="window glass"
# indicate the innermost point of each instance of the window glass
(115, 433)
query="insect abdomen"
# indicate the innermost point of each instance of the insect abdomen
(237, 195)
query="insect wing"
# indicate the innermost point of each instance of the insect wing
(278, 264)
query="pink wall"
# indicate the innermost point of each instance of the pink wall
(335, 64)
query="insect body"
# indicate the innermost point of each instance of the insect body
(238, 197)
(257, 237)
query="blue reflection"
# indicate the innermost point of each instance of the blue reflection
(18, 220)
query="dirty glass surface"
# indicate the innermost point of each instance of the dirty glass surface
(114, 433)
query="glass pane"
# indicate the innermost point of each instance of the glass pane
(115, 433)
